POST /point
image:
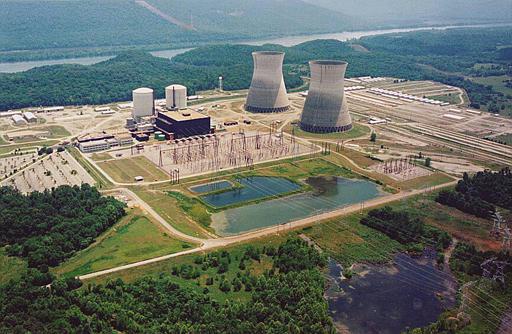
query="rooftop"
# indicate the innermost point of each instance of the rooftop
(184, 115)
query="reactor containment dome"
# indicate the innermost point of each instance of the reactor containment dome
(143, 103)
(325, 109)
(267, 92)
(176, 97)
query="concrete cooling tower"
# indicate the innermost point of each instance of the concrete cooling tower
(267, 92)
(325, 109)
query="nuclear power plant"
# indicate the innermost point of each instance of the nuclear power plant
(325, 109)
(267, 92)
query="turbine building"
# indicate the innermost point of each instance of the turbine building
(325, 109)
(267, 92)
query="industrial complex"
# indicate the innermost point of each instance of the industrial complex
(182, 136)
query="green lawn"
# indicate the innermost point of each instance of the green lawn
(169, 208)
(10, 267)
(125, 170)
(134, 238)
(357, 131)
(423, 182)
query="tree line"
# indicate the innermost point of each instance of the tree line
(286, 299)
(48, 227)
(480, 193)
(199, 69)
(400, 226)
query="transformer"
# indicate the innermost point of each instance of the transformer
(267, 92)
(325, 109)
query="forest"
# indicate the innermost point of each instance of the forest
(288, 298)
(113, 80)
(49, 227)
(480, 193)
(400, 226)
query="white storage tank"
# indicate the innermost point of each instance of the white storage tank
(176, 97)
(143, 103)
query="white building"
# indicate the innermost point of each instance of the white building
(18, 120)
(176, 97)
(30, 117)
(143, 103)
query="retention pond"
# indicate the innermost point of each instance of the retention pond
(388, 299)
(329, 193)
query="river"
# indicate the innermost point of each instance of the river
(285, 41)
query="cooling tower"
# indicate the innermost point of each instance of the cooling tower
(325, 109)
(267, 92)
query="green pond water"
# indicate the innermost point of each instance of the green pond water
(329, 194)
(253, 188)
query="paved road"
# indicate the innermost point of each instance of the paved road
(210, 244)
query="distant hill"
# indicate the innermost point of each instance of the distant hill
(54, 24)
(422, 11)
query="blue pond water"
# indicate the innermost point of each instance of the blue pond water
(387, 299)
(209, 187)
(253, 188)
(330, 193)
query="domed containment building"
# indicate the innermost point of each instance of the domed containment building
(176, 97)
(325, 109)
(267, 92)
(143, 103)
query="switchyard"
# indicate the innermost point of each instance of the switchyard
(211, 153)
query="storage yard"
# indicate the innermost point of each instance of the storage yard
(52, 171)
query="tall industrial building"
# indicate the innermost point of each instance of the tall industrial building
(267, 92)
(176, 97)
(325, 109)
(143, 103)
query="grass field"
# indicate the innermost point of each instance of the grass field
(236, 253)
(357, 131)
(427, 181)
(496, 82)
(100, 156)
(505, 138)
(350, 242)
(33, 145)
(134, 238)
(10, 267)
(169, 208)
(125, 170)
(452, 98)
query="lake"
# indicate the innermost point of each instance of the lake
(285, 41)
(386, 299)
(330, 193)
(253, 188)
